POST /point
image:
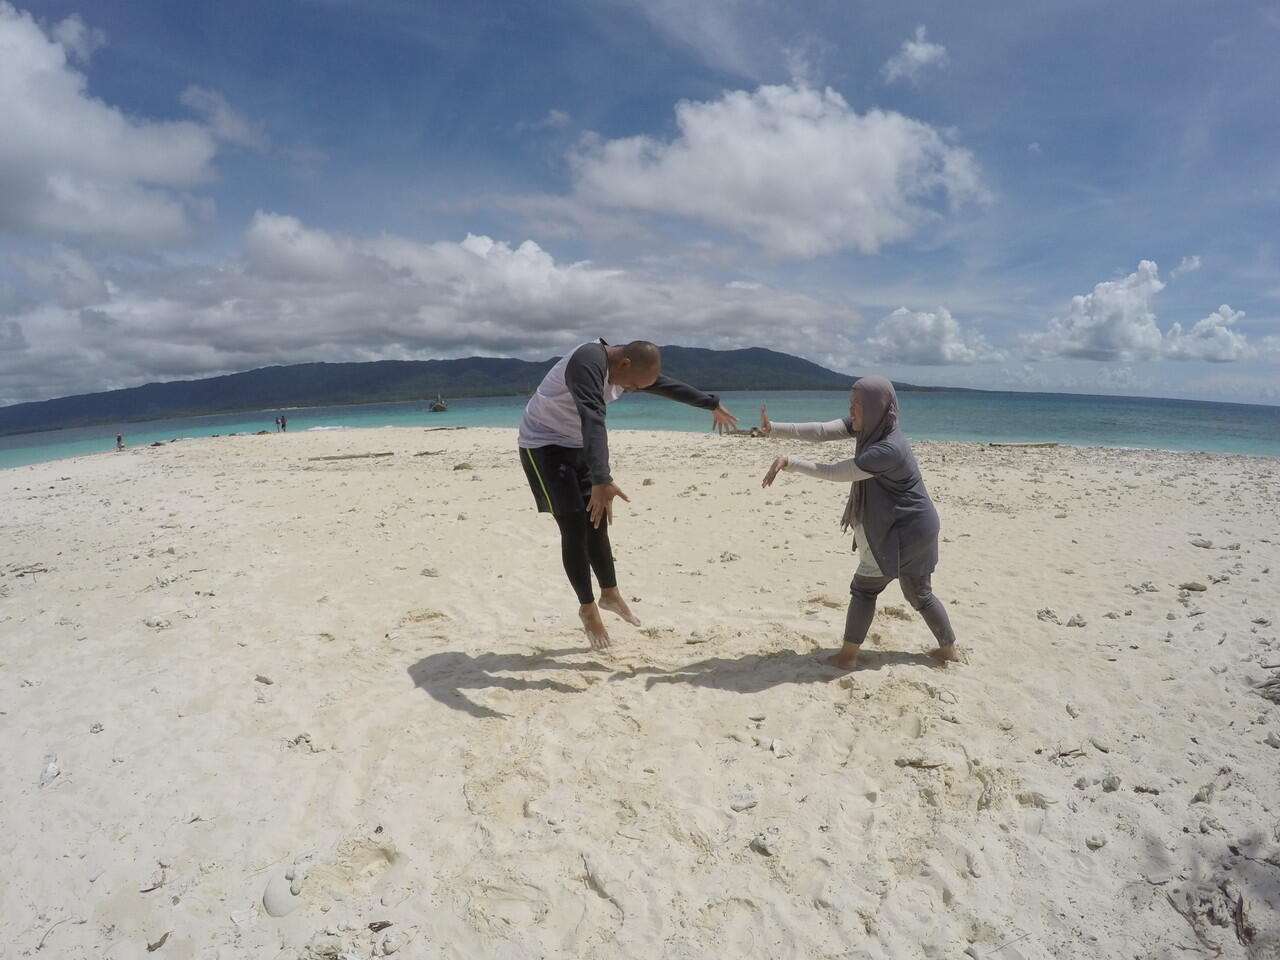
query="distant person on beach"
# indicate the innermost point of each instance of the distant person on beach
(564, 449)
(894, 523)
(284, 424)
(119, 441)
(277, 424)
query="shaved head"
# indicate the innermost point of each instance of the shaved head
(634, 366)
(643, 355)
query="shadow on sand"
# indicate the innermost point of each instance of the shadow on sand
(444, 676)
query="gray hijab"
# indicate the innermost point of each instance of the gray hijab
(879, 420)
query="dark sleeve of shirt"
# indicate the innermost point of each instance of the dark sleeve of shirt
(879, 457)
(674, 389)
(585, 376)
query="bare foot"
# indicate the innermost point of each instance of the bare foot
(597, 635)
(947, 654)
(612, 601)
(846, 658)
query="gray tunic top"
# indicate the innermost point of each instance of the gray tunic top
(900, 524)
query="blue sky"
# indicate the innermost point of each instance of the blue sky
(1065, 196)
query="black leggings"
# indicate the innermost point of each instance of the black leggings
(584, 548)
(917, 591)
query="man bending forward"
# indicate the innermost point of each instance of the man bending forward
(564, 448)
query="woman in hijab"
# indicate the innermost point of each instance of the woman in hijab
(894, 523)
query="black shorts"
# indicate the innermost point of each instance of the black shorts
(558, 477)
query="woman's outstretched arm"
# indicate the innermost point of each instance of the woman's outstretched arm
(846, 471)
(815, 432)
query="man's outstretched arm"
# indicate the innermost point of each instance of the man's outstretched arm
(678, 390)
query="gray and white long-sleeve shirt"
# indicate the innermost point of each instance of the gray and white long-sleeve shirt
(568, 408)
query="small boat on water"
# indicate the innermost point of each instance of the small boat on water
(438, 405)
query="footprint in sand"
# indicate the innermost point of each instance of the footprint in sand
(811, 883)
(361, 866)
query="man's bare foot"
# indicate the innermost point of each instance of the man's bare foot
(846, 658)
(597, 635)
(612, 601)
(947, 654)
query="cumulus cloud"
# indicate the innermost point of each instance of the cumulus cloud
(928, 339)
(1114, 322)
(223, 122)
(66, 275)
(1187, 265)
(793, 169)
(78, 38)
(916, 56)
(296, 293)
(1209, 339)
(73, 166)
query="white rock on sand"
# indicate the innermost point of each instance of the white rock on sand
(474, 781)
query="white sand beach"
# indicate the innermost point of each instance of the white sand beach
(359, 688)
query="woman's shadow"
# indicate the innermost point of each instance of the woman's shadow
(444, 676)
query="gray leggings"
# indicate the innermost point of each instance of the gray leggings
(917, 591)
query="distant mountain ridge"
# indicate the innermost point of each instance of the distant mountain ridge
(387, 381)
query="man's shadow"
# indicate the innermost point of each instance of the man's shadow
(444, 676)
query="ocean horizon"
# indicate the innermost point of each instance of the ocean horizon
(975, 416)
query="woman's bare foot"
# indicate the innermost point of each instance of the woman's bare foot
(612, 601)
(846, 658)
(947, 654)
(597, 635)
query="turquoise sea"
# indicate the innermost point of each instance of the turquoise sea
(1070, 419)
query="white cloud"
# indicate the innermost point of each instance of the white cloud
(223, 122)
(295, 293)
(71, 165)
(279, 247)
(713, 29)
(12, 339)
(555, 119)
(67, 275)
(1270, 346)
(1034, 147)
(1187, 265)
(916, 56)
(1099, 378)
(793, 169)
(78, 38)
(1210, 339)
(1114, 322)
(928, 339)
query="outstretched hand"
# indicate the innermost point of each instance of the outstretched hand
(722, 420)
(779, 463)
(765, 426)
(600, 505)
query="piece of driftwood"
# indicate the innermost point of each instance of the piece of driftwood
(1047, 444)
(355, 456)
